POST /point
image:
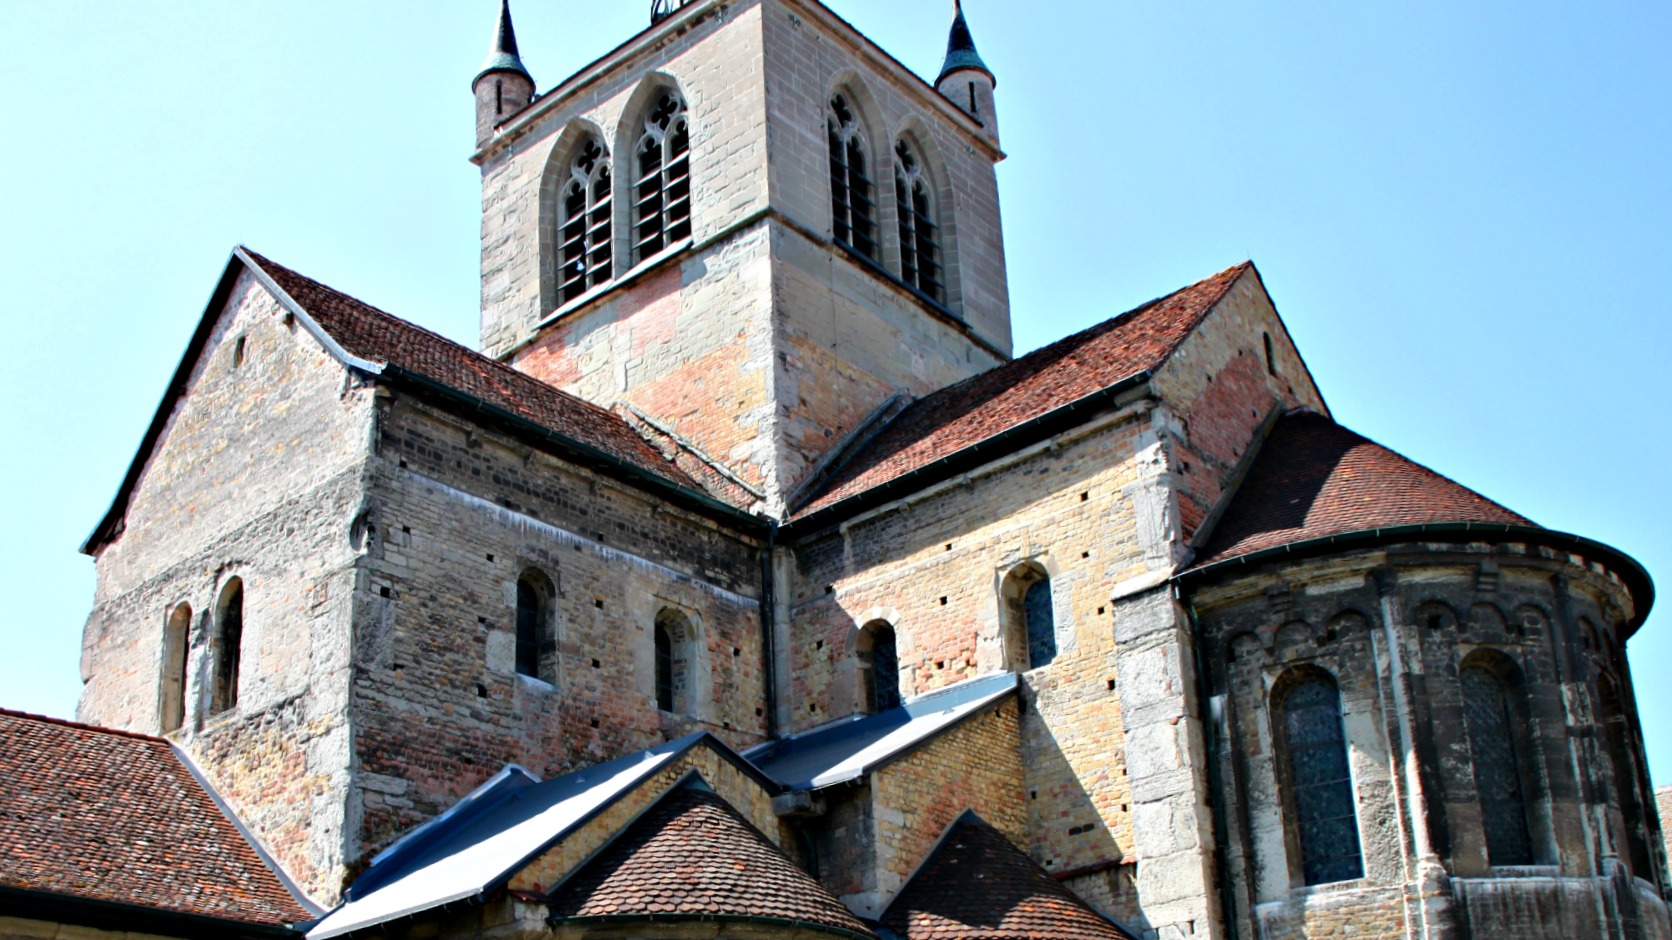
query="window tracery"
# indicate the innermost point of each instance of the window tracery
(920, 250)
(585, 242)
(662, 190)
(853, 203)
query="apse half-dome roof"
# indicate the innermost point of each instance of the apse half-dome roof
(694, 857)
(1314, 479)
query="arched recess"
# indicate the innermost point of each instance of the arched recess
(857, 156)
(878, 653)
(228, 647)
(1434, 616)
(676, 648)
(922, 252)
(1028, 614)
(536, 626)
(171, 705)
(1315, 777)
(1627, 774)
(1503, 750)
(654, 185)
(556, 218)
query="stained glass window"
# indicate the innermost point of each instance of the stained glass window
(853, 204)
(1041, 623)
(1321, 783)
(1503, 803)
(584, 234)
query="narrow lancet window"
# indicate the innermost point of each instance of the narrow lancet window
(1503, 801)
(920, 264)
(529, 616)
(853, 203)
(1041, 624)
(1320, 781)
(584, 239)
(675, 640)
(664, 668)
(176, 640)
(229, 647)
(879, 668)
(662, 192)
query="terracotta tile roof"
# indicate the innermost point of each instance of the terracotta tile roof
(109, 816)
(693, 855)
(369, 333)
(976, 885)
(1314, 478)
(982, 406)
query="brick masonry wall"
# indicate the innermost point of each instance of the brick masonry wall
(1424, 851)
(24, 928)
(257, 477)
(461, 514)
(739, 789)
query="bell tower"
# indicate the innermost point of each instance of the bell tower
(748, 228)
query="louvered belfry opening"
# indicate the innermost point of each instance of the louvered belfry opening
(853, 203)
(920, 251)
(585, 237)
(662, 192)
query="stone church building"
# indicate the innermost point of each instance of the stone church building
(744, 584)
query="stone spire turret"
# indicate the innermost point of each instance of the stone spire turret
(965, 79)
(503, 86)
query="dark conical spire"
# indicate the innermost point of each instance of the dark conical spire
(960, 47)
(503, 57)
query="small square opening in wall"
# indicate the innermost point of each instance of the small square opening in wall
(759, 712)
(812, 709)
(940, 664)
(736, 652)
(949, 546)
(597, 665)
(1085, 554)
(490, 558)
(1111, 685)
(943, 602)
(406, 530)
(1101, 610)
(384, 592)
(1085, 497)
(481, 690)
(1033, 795)
(482, 620)
(819, 645)
(598, 602)
(830, 589)
(594, 722)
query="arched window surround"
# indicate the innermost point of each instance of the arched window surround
(877, 652)
(1314, 773)
(922, 248)
(535, 626)
(175, 655)
(555, 183)
(859, 216)
(1028, 617)
(230, 613)
(677, 668)
(655, 190)
(1504, 761)
(585, 222)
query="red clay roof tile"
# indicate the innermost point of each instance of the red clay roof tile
(693, 855)
(112, 816)
(976, 885)
(1314, 478)
(978, 408)
(369, 333)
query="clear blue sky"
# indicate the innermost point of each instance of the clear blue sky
(1461, 209)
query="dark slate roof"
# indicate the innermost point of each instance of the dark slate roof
(984, 406)
(368, 333)
(503, 57)
(108, 816)
(1314, 478)
(694, 856)
(960, 48)
(976, 885)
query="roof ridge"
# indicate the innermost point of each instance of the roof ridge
(476, 356)
(84, 726)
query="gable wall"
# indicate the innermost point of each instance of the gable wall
(257, 477)
(460, 513)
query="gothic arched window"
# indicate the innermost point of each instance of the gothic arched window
(536, 639)
(176, 640)
(662, 191)
(1320, 783)
(675, 640)
(1490, 723)
(920, 264)
(879, 668)
(853, 203)
(229, 647)
(584, 232)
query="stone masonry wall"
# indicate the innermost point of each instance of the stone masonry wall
(1394, 628)
(257, 477)
(460, 515)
